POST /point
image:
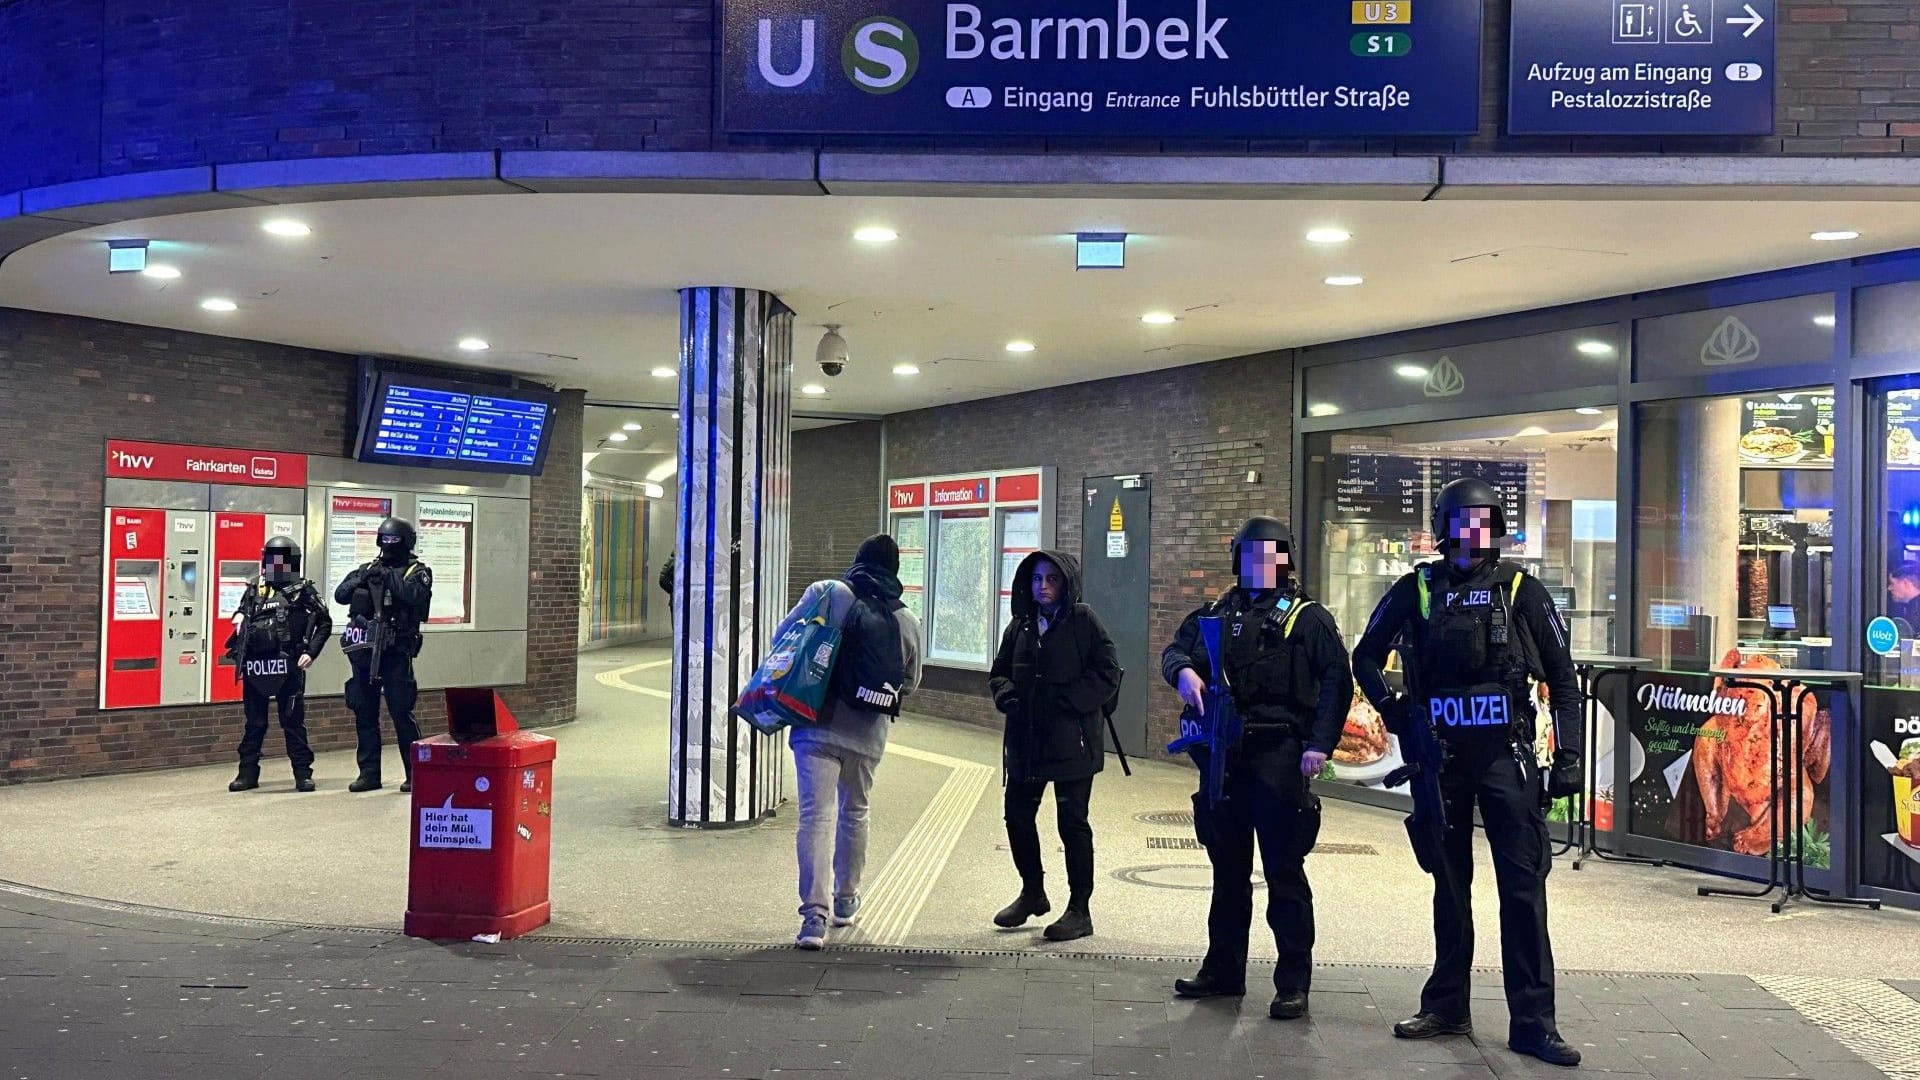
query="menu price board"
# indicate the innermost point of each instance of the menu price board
(1512, 479)
(1383, 488)
(1787, 429)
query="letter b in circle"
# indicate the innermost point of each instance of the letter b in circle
(880, 54)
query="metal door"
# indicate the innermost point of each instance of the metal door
(1115, 553)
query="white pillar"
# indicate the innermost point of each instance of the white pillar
(730, 587)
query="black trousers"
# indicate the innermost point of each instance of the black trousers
(292, 707)
(1505, 785)
(1070, 798)
(1265, 793)
(396, 683)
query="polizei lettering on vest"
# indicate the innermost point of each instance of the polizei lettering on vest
(971, 36)
(1674, 697)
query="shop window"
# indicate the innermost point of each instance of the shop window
(1886, 319)
(1370, 497)
(1734, 524)
(1890, 704)
(1777, 333)
(1485, 371)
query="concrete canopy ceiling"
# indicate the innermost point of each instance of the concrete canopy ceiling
(581, 289)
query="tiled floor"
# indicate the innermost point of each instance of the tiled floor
(88, 993)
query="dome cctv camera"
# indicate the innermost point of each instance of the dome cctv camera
(831, 353)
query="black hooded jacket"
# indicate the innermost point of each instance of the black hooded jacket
(1053, 687)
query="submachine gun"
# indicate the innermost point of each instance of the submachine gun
(370, 635)
(1219, 726)
(1424, 757)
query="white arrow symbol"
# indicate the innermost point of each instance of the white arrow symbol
(1752, 22)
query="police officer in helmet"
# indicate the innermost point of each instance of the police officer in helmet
(1292, 687)
(387, 600)
(280, 627)
(1473, 630)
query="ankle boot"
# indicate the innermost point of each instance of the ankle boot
(303, 780)
(1075, 922)
(1029, 904)
(247, 780)
(365, 782)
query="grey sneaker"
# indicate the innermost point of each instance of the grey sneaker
(813, 934)
(844, 909)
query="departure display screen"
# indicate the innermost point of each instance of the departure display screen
(446, 425)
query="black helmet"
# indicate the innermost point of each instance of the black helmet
(280, 561)
(1263, 528)
(396, 539)
(1462, 493)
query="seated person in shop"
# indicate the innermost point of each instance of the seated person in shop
(1903, 596)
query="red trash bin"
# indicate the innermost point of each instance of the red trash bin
(481, 824)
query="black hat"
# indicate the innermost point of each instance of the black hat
(879, 551)
(1461, 494)
(396, 538)
(1262, 528)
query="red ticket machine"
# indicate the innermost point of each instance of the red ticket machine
(482, 842)
(237, 540)
(133, 632)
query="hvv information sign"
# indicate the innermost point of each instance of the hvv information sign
(1152, 68)
(1641, 67)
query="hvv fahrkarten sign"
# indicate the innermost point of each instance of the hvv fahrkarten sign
(1152, 68)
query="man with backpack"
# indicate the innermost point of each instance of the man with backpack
(1053, 679)
(1291, 683)
(877, 666)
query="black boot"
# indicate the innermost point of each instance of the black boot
(248, 779)
(1288, 1005)
(303, 780)
(365, 782)
(1029, 904)
(1204, 985)
(1073, 923)
(1551, 1049)
(406, 786)
(1426, 1025)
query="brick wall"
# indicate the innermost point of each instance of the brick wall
(90, 89)
(66, 385)
(1196, 431)
(836, 500)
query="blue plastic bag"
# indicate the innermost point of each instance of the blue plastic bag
(790, 686)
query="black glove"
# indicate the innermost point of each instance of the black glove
(1007, 704)
(1564, 778)
(1397, 713)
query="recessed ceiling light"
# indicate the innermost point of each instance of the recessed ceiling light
(474, 344)
(906, 369)
(1328, 235)
(286, 227)
(1595, 348)
(676, 416)
(1020, 346)
(1589, 411)
(159, 271)
(1341, 281)
(875, 234)
(1158, 318)
(1529, 431)
(1411, 371)
(813, 389)
(664, 373)
(1322, 409)
(1823, 320)
(630, 426)
(1834, 234)
(215, 303)
(618, 436)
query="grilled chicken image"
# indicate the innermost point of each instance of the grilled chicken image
(1730, 760)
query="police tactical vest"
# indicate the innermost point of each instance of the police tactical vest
(1267, 667)
(1473, 671)
(271, 630)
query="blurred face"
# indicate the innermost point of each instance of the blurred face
(1902, 590)
(1049, 584)
(1262, 564)
(278, 567)
(1471, 530)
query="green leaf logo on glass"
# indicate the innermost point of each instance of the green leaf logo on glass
(880, 54)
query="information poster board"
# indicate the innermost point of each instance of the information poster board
(961, 540)
(1890, 789)
(1696, 778)
(910, 532)
(353, 527)
(963, 566)
(446, 545)
(1019, 538)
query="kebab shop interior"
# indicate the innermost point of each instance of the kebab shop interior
(1723, 478)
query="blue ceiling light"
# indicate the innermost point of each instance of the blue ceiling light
(126, 256)
(1100, 251)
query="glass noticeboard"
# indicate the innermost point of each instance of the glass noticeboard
(962, 561)
(962, 539)
(910, 532)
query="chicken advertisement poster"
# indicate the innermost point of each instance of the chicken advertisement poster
(1890, 789)
(1702, 773)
